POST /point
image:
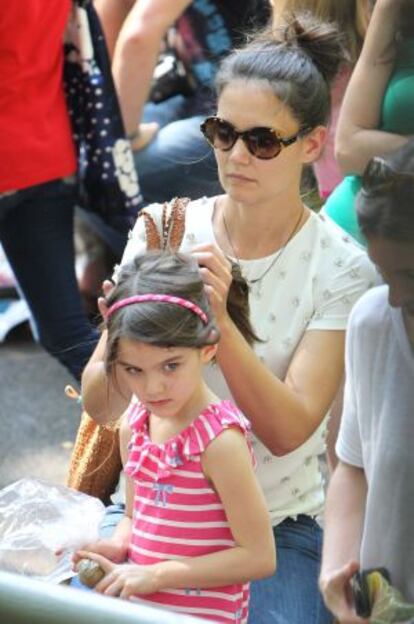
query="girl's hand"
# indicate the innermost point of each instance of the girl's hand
(114, 550)
(336, 590)
(124, 580)
(107, 286)
(215, 271)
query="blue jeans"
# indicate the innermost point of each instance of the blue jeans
(36, 230)
(291, 595)
(178, 162)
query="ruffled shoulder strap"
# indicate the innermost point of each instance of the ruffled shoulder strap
(137, 416)
(210, 423)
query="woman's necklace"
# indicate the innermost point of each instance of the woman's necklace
(258, 280)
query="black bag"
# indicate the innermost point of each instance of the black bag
(108, 179)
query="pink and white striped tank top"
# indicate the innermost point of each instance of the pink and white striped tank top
(178, 514)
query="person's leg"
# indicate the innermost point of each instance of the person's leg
(37, 236)
(291, 595)
(177, 163)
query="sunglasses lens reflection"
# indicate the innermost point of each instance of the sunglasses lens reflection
(220, 134)
(263, 143)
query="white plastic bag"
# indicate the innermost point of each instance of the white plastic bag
(37, 518)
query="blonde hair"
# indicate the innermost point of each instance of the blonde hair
(350, 16)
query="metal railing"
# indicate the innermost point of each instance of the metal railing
(27, 601)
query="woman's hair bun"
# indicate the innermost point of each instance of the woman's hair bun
(321, 41)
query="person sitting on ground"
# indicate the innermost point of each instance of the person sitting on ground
(304, 277)
(165, 135)
(370, 502)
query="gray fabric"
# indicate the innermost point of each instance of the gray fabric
(377, 433)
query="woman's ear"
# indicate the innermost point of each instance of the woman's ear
(313, 144)
(208, 353)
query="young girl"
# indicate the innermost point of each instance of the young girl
(196, 528)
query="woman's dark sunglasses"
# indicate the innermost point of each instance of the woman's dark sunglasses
(263, 143)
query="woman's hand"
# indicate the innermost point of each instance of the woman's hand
(112, 549)
(123, 580)
(336, 591)
(215, 271)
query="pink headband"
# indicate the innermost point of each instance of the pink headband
(159, 299)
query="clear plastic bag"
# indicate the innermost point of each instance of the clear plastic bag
(38, 518)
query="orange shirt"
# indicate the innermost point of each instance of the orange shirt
(35, 135)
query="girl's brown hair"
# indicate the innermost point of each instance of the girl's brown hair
(165, 325)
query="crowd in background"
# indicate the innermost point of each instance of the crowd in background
(305, 339)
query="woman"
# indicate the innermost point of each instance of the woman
(372, 491)
(304, 276)
(376, 117)
(351, 18)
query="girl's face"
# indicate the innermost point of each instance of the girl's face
(167, 380)
(395, 261)
(244, 177)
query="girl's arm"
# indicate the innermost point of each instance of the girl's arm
(115, 548)
(357, 138)
(227, 462)
(103, 400)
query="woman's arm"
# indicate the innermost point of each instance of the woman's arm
(344, 519)
(357, 138)
(136, 52)
(112, 14)
(283, 412)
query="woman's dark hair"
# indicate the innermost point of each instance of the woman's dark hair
(385, 202)
(297, 61)
(162, 324)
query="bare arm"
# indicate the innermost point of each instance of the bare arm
(333, 428)
(115, 548)
(103, 400)
(344, 519)
(284, 413)
(228, 464)
(112, 14)
(136, 53)
(357, 138)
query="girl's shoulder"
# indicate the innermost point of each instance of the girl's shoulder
(147, 457)
(213, 420)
